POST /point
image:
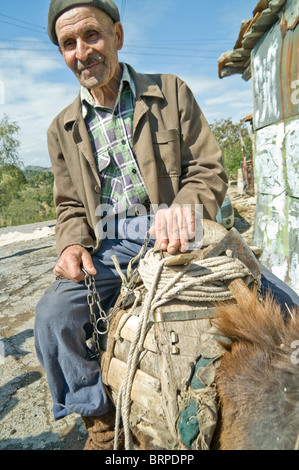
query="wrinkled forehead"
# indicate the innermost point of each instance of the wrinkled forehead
(81, 17)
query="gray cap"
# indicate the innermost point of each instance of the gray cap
(57, 7)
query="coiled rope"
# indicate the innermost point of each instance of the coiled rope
(199, 281)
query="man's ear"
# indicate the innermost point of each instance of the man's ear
(119, 35)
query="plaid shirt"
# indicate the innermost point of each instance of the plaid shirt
(110, 133)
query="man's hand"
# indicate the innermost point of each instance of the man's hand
(71, 261)
(174, 228)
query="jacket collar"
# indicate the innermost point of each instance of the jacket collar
(73, 112)
(145, 86)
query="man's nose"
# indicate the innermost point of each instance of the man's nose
(82, 50)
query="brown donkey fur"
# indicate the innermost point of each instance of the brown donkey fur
(258, 379)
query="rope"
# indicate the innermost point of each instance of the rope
(124, 394)
(198, 281)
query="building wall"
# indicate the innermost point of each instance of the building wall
(275, 75)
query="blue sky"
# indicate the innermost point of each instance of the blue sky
(183, 37)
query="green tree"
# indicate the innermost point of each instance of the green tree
(9, 143)
(26, 195)
(12, 181)
(228, 137)
(24, 211)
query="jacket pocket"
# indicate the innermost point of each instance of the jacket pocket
(167, 152)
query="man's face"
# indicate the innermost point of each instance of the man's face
(89, 41)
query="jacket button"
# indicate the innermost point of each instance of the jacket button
(97, 189)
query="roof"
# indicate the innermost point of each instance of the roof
(238, 61)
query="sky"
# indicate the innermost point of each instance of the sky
(181, 37)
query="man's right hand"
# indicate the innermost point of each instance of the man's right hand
(70, 264)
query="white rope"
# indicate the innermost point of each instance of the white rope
(199, 281)
(124, 394)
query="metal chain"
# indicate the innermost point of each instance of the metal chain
(93, 299)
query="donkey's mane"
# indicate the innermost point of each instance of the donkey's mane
(258, 382)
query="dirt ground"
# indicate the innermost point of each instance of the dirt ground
(244, 208)
(26, 421)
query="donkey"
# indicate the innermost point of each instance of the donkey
(258, 379)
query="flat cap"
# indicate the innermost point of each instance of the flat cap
(57, 7)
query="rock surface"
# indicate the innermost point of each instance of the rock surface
(26, 419)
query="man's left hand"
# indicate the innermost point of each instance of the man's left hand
(174, 228)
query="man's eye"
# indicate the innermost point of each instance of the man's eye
(69, 45)
(92, 35)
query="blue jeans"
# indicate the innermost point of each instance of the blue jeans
(60, 327)
(63, 313)
(281, 292)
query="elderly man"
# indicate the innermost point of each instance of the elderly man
(128, 140)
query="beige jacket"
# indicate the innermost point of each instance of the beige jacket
(177, 154)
